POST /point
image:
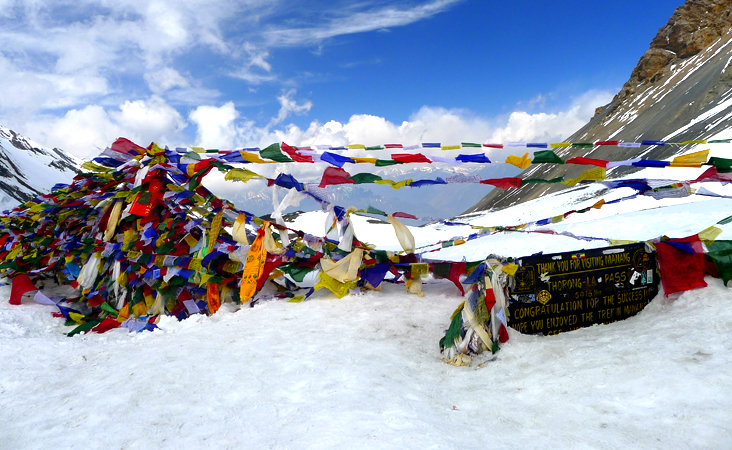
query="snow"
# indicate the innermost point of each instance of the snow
(365, 371)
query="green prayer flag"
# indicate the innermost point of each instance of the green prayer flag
(84, 327)
(274, 153)
(546, 156)
(453, 333)
(720, 252)
(296, 273)
(362, 178)
(386, 162)
(372, 210)
(541, 180)
(583, 145)
(470, 144)
(719, 141)
(723, 165)
(375, 147)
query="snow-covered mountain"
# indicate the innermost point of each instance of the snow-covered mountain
(680, 90)
(28, 169)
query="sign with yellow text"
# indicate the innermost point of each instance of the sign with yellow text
(567, 291)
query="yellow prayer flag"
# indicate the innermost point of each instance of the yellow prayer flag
(420, 270)
(243, 175)
(254, 158)
(599, 204)
(196, 265)
(700, 141)
(140, 309)
(190, 240)
(710, 234)
(364, 160)
(451, 147)
(77, 318)
(13, 253)
(204, 278)
(521, 163)
(231, 266)
(510, 268)
(213, 234)
(198, 149)
(675, 164)
(339, 289)
(621, 242)
(254, 266)
(356, 146)
(124, 313)
(159, 260)
(155, 150)
(395, 184)
(692, 158)
(594, 174)
(560, 145)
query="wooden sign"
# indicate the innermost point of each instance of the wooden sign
(566, 291)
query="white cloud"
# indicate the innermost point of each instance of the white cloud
(217, 127)
(289, 106)
(85, 132)
(164, 79)
(447, 126)
(148, 118)
(351, 20)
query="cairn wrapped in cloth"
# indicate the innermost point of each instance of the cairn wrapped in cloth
(479, 323)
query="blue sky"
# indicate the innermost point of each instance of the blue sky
(227, 74)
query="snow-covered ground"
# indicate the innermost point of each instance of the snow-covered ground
(365, 371)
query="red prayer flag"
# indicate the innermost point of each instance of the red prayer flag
(393, 146)
(294, 154)
(493, 145)
(335, 175)
(587, 161)
(106, 324)
(503, 183)
(711, 174)
(21, 284)
(607, 143)
(502, 334)
(490, 299)
(680, 271)
(404, 215)
(410, 158)
(127, 147)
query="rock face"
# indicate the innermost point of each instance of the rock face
(28, 170)
(681, 89)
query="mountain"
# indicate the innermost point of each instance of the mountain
(680, 90)
(28, 169)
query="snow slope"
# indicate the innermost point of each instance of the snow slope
(365, 371)
(27, 169)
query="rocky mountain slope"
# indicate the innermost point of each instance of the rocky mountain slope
(680, 90)
(28, 170)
